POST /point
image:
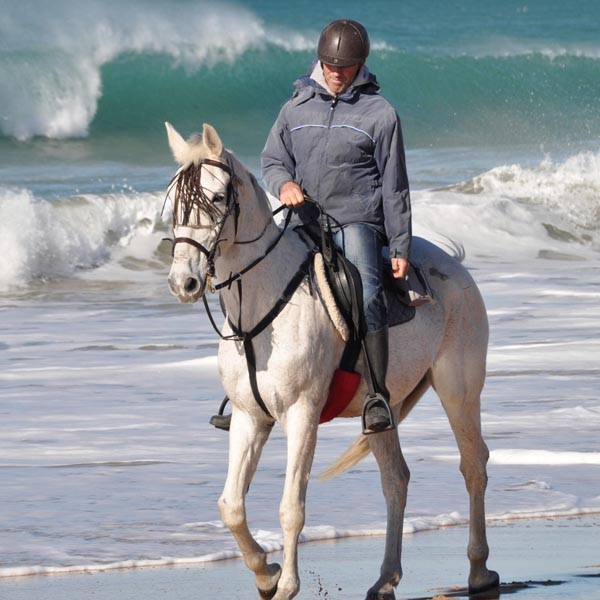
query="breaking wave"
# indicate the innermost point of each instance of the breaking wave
(53, 55)
(41, 240)
(79, 69)
(551, 210)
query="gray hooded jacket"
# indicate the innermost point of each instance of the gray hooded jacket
(346, 152)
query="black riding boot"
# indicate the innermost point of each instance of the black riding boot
(377, 414)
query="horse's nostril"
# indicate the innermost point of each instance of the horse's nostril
(191, 283)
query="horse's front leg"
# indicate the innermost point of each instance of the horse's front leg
(301, 429)
(247, 437)
(394, 481)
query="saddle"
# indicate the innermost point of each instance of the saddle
(345, 284)
(403, 296)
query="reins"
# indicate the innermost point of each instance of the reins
(237, 276)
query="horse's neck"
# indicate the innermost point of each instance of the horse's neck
(263, 285)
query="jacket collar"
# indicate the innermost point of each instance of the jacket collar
(365, 81)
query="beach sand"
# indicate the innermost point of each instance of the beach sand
(537, 558)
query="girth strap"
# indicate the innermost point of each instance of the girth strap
(247, 337)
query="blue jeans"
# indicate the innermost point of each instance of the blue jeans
(362, 244)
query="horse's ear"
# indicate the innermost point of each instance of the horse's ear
(212, 140)
(179, 147)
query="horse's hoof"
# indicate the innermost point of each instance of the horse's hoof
(271, 583)
(267, 595)
(490, 581)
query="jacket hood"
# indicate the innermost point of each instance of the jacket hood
(365, 81)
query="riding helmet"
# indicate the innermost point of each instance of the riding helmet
(343, 43)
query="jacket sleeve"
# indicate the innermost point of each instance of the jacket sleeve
(277, 163)
(391, 162)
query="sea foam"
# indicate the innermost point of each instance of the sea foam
(532, 457)
(514, 210)
(42, 239)
(511, 210)
(272, 541)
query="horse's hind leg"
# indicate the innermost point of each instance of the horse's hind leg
(394, 481)
(246, 440)
(458, 380)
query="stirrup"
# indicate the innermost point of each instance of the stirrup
(221, 421)
(377, 410)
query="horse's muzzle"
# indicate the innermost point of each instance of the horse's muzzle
(186, 289)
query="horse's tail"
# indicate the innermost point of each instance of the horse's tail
(360, 448)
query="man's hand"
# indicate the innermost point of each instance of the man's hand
(291, 194)
(399, 268)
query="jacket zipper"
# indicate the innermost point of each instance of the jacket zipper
(323, 152)
(331, 109)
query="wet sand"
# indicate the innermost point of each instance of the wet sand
(537, 559)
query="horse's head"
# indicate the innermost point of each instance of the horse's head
(201, 194)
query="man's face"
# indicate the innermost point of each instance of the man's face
(339, 78)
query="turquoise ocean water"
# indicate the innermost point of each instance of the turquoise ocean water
(106, 383)
(92, 82)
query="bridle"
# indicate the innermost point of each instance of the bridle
(232, 207)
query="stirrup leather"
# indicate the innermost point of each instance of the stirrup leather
(379, 404)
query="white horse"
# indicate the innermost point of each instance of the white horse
(223, 225)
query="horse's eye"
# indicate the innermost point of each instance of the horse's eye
(218, 198)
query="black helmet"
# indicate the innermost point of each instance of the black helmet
(343, 43)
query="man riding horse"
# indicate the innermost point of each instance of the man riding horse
(338, 141)
(223, 227)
